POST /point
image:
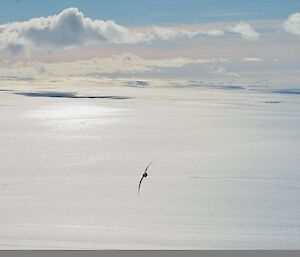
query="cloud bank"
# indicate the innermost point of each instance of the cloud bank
(71, 28)
(292, 24)
(116, 64)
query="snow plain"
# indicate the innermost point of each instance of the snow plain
(225, 175)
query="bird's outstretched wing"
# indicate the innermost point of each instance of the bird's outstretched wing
(140, 184)
(148, 166)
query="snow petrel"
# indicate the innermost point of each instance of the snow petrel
(145, 174)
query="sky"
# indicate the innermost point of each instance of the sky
(231, 40)
(149, 12)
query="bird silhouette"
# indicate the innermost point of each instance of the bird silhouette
(145, 174)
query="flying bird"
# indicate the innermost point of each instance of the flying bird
(145, 174)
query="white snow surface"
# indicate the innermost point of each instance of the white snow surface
(225, 174)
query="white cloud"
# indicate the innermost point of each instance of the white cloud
(68, 28)
(245, 30)
(252, 59)
(224, 72)
(166, 33)
(292, 24)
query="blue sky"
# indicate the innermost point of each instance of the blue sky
(149, 12)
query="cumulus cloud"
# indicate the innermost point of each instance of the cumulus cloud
(292, 24)
(15, 48)
(245, 30)
(68, 28)
(252, 59)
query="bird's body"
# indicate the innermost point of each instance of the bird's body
(145, 174)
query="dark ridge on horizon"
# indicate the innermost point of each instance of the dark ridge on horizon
(70, 95)
(16, 78)
(212, 86)
(272, 102)
(6, 90)
(137, 83)
(288, 91)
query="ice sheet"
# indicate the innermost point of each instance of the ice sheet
(225, 173)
